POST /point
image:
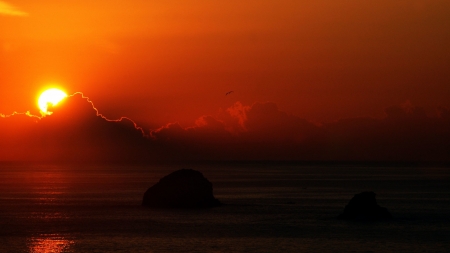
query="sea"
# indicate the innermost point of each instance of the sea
(267, 207)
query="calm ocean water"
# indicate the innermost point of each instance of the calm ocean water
(268, 208)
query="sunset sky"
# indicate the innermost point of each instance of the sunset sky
(167, 63)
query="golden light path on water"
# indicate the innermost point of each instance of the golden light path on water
(49, 243)
(49, 186)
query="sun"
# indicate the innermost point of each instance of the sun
(50, 97)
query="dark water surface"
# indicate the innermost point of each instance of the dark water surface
(268, 208)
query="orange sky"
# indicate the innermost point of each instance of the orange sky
(161, 62)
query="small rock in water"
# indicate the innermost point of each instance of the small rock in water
(364, 207)
(185, 188)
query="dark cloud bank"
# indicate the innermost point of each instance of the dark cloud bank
(76, 132)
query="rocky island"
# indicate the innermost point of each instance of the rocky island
(185, 188)
(364, 207)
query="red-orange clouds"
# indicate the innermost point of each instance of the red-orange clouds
(322, 60)
(165, 63)
(77, 132)
(74, 132)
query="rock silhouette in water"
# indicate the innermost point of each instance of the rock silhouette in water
(363, 206)
(185, 188)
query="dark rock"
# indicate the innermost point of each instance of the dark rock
(363, 206)
(185, 188)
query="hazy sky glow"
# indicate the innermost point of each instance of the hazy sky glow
(7, 9)
(170, 63)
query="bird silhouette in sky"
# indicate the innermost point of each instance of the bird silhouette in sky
(228, 93)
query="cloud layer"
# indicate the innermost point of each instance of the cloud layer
(10, 10)
(76, 131)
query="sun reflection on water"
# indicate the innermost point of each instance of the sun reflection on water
(52, 243)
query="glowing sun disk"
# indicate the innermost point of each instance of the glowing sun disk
(52, 97)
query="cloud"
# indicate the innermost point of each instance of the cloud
(261, 131)
(10, 10)
(405, 111)
(407, 133)
(267, 121)
(443, 113)
(76, 131)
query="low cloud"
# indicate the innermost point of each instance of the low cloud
(406, 133)
(76, 131)
(10, 10)
(261, 131)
